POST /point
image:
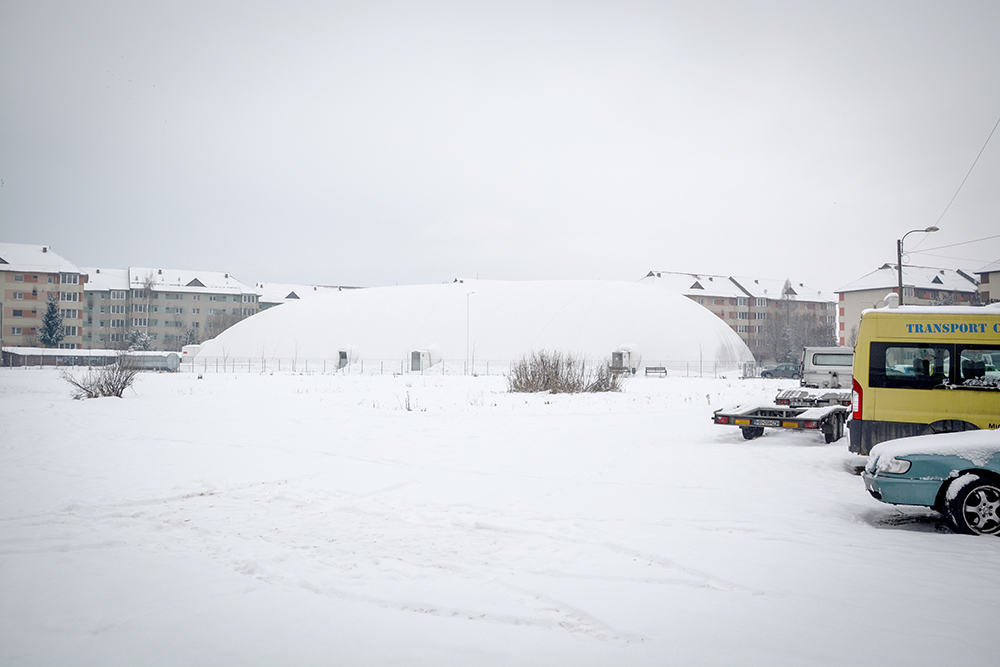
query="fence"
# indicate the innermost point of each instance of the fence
(694, 368)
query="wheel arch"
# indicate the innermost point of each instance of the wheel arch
(940, 504)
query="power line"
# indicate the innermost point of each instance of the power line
(970, 171)
(952, 245)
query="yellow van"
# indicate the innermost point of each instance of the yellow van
(924, 370)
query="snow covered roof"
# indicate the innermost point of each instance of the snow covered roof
(281, 292)
(493, 320)
(770, 288)
(703, 284)
(992, 267)
(180, 280)
(33, 258)
(694, 284)
(103, 280)
(921, 277)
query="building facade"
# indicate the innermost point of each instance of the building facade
(28, 275)
(989, 283)
(162, 308)
(922, 286)
(756, 308)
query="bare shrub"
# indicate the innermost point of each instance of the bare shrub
(560, 373)
(110, 380)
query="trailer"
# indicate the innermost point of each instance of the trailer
(753, 419)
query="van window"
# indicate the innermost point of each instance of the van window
(831, 359)
(908, 365)
(977, 365)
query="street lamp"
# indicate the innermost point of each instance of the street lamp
(468, 318)
(899, 257)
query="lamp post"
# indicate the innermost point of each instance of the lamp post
(899, 257)
(468, 318)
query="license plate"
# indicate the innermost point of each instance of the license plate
(767, 422)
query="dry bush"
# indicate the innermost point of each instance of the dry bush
(110, 380)
(560, 373)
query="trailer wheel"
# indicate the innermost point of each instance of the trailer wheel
(836, 430)
(751, 432)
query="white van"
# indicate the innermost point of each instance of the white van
(827, 367)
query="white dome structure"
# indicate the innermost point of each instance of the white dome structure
(483, 321)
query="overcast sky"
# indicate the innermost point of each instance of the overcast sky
(380, 143)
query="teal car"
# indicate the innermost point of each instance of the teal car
(957, 474)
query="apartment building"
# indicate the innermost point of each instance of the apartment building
(28, 274)
(922, 286)
(989, 275)
(753, 307)
(173, 307)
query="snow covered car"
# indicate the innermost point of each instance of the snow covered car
(957, 474)
(782, 371)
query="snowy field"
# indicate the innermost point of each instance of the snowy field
(315, 520)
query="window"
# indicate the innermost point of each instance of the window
(760, 303)
(67, 346)
(69, 278)
(69, 313)
(51, 279)
(118, 295)
(216, 297)
(196, 325)
(117, 324)
(741, 301)
(196, 297)
(742, 328)
(18, 296)
(117, 309)
(139, 321)
(977, 365)
(195, 311)
(139, 308)
(69, 331)
(18, 313)
(16, 331)
(908, 365)
(744, 315)
(69, 296)
(760, 316)
(830, 319)
(117, 337)
(18, 278)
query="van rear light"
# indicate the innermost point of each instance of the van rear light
(856, 398)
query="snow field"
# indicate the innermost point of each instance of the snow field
(291, 519)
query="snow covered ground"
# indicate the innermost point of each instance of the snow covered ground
(315, 520)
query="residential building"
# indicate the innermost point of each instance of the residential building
(754, 307)
(105, 307)
(922, 286)
(173, 307)
(989, 275)
(29, 273)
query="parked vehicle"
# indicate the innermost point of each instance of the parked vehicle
(920, 370)
(782, 371)
(824, 412)
(827, 367)
(957, 474)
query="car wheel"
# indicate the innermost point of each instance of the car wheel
(795, 376)
(975, 507)
(765, 374)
